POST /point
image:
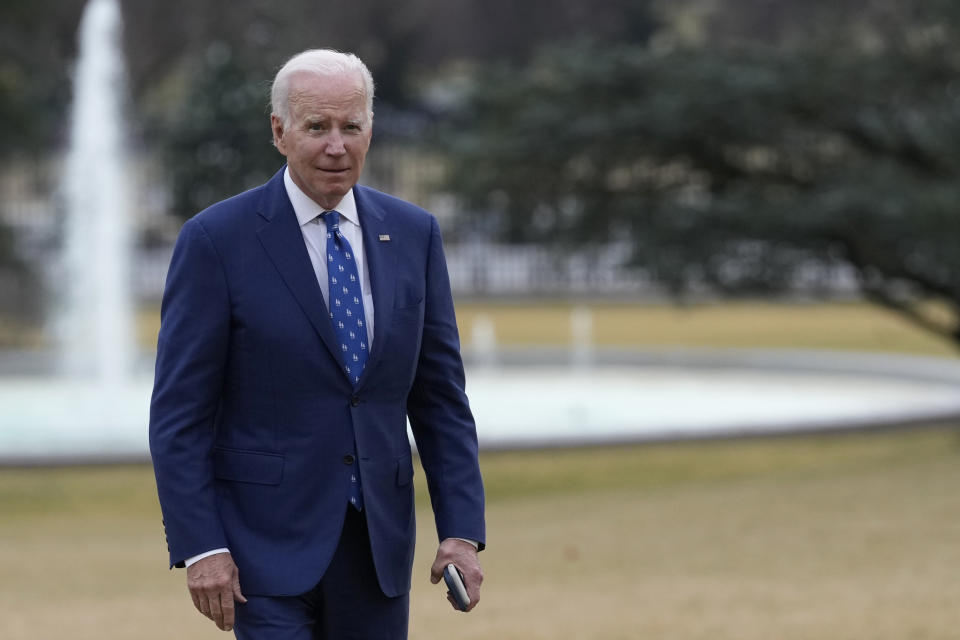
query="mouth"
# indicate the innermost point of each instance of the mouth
(334, 171)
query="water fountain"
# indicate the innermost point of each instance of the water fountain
(534, 398)
(95, 324)
(96, 406)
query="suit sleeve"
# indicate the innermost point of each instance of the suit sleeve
(439, 412)
(191, 353)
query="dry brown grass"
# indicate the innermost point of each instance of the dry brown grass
(844, 536)
(851, 326)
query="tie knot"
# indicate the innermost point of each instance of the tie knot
(332, 220)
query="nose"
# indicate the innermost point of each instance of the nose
(335, 146)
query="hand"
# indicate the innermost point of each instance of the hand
(214, 583)
(464, 555)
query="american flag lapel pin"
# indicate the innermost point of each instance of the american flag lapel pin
(384, 237)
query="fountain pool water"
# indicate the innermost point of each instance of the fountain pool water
(543, 400)
(653, 395)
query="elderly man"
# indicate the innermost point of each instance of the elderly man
(303, 323)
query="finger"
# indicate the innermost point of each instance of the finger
(237, 594)
(472, 594)
(473, 603)
(472, 582)
(226, 606)
(473, 591)
(436, 571)
(203, 605)
(453, 603)
(196, 601)
(216, 614)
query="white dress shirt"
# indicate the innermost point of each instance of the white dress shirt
(314, 231)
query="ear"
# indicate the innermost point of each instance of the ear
(276, 124)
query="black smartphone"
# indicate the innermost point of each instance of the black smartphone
(454, 580)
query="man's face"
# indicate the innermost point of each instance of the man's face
(328, 135)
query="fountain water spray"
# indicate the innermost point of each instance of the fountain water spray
(95, 324)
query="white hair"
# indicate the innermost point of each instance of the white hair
(321, 62)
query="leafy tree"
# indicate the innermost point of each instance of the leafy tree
(20, 289)
(37, 45)
(741, 170)
(219, 139)
(201, 85)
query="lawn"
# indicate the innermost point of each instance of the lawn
(822, 325)
(821, 536)
(847, 535)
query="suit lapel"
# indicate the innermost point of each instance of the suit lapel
(282, 240)
(382, 263)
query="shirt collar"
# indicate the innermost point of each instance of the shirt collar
(307, 210)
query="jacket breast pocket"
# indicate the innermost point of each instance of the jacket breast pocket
(256, 467)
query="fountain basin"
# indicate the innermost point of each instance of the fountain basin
(666, 395)
(51, 419)
(540, 398)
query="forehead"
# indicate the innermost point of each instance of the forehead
(313, 94)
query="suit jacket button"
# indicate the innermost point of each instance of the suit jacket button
(354, 401)
(348, 459)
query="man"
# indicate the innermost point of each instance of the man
(303, 322)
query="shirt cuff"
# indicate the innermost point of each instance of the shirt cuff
(193, 559)
(474, 543)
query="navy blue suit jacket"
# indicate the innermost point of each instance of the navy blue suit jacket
(252, 416)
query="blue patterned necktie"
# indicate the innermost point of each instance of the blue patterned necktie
(345, 300)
